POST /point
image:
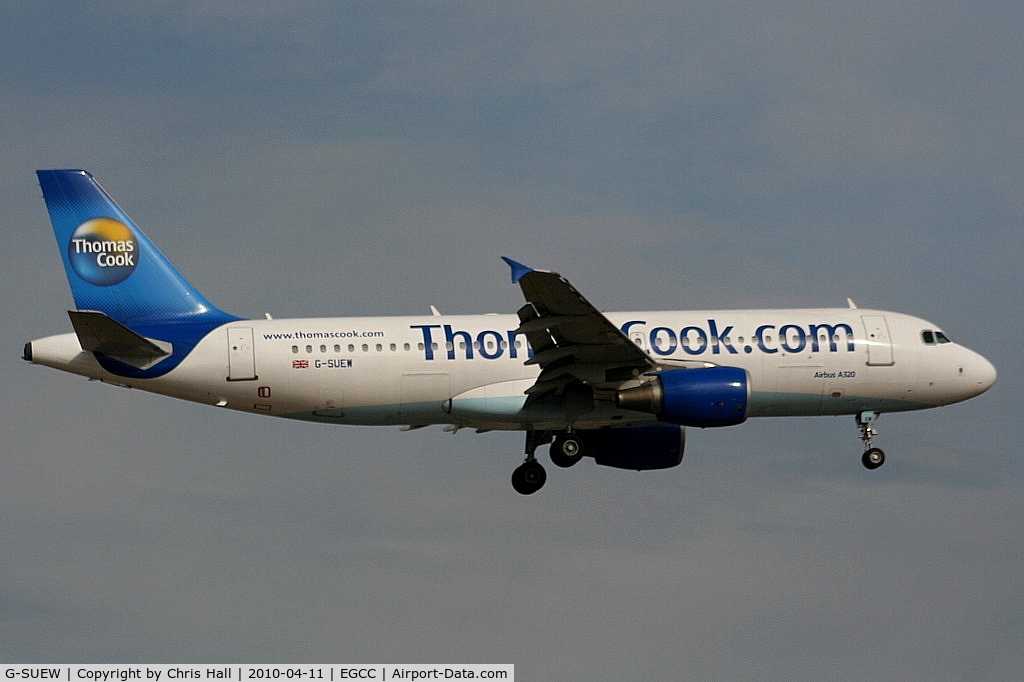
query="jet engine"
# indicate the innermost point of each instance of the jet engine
(707, 396)
(640, 448)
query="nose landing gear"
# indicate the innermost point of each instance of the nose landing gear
(873, 457)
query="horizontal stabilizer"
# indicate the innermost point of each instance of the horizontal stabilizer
(99, 333)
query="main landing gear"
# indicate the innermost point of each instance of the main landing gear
(566, 450)
(873, 457)
(529, 477)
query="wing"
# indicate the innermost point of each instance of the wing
(573, 343)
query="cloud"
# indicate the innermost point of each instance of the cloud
(372, 159)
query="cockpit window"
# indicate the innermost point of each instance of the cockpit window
(934, 336)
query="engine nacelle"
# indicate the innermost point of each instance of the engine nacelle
(641, 448)
(707, 396)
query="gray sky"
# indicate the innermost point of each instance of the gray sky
(312, 158)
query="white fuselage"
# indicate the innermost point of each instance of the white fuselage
(471, 370)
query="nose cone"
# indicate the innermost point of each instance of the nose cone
(972, 376)
(984, 374)
(976, 374)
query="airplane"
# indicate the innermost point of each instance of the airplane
(619, 387)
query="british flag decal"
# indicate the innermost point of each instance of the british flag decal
(300, 364)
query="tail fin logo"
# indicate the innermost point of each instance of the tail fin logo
(103, 251)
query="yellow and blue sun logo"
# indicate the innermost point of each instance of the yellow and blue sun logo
(103, 251)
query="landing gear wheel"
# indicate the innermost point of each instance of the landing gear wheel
(566, 451)
(873, 458)
(529, 477)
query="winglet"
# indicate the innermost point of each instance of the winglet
(518, 269)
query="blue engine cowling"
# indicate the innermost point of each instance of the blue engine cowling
(641, 448)
(707, 396)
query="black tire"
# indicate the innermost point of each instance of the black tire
(566, 451)
(873, 458)
(529, 477)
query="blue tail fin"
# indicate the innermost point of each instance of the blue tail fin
(137, 314)
(111, 265)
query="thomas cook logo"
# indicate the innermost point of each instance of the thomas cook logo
(103, 251)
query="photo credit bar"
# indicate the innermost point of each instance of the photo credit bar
(306, 672)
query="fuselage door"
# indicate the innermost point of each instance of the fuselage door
(241, 355)
(879, 341)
